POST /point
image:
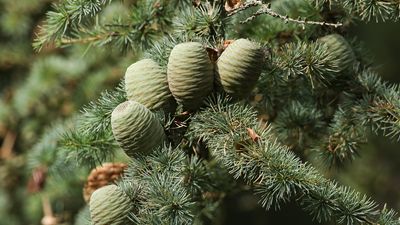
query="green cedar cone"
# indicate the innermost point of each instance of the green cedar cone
(136, 128)
(109, 205)
(190, 74)
(146, 82)
(239, 67)
(340, 50)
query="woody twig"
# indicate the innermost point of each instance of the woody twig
(266, 9)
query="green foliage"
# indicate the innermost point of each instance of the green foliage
(76, 21)
(277, 174)
(66, 18)
(206, 22)
(296, 120)
(315, 106)
(311, 61)
(88, 149)
(380, 104)
(96, 116)
(316, 110)
(346, 134)
(172, 189)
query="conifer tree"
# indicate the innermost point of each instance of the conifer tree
(249, 94)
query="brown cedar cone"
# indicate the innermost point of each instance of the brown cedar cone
(102, 176)
(231, 5)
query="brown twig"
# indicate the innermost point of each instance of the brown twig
(69, 41)
(245, 6)
(47, 210)
(8, 145)
(266, 9)
(48, 218)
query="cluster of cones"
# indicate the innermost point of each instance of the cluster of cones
(189, 78)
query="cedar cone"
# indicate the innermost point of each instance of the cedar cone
(109, 205)
(102, 176)
(190, 74)
(136, 129)
(146, 83)
(239, 67)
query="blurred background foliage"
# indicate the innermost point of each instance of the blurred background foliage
(39, 89)
(36, 91)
